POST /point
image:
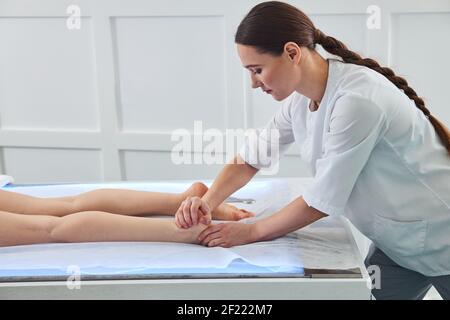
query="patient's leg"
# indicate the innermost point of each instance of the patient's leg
(120, 201)
(16, 229)
(132, 202)
(90, 226)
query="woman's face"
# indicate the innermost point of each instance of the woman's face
(274, 75)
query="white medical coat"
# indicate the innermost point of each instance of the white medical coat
(377, 160)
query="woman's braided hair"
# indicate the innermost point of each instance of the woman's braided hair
(269, 25)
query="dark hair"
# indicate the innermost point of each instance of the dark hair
(269, 25)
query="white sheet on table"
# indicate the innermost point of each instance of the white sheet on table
(144, 255)
(326, 245)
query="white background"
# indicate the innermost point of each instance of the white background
(100, 103)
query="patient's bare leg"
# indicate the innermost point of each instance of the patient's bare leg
(132, 202)
(90, 226)
(120, 201)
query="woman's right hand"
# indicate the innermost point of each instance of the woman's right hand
(192, 211)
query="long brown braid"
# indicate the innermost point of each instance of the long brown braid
(269, 25)
(337, 48)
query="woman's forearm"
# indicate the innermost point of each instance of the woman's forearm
(233, 176)
(295, 215)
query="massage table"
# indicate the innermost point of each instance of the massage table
(320, 261)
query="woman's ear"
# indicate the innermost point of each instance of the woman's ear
(293, 52)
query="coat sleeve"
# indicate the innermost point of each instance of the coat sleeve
(263, 147)
(356, 126)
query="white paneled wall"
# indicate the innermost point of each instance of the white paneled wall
(420, 51)
(171, 72)
(99, 103)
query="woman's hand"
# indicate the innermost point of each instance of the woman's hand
(228, 234)
(192, 211)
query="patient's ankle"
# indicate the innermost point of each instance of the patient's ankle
(197, 189)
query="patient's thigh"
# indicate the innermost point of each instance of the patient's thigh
(19, 229)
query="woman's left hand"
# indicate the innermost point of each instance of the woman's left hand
(227, 234)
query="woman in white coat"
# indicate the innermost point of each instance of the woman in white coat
(377, 154)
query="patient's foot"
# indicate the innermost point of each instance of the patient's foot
(189, 235)
(226, 211)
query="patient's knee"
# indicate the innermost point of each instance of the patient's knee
(70, 227)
